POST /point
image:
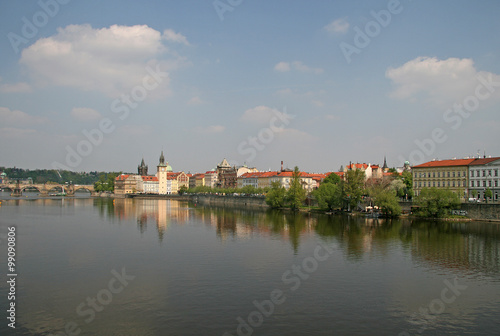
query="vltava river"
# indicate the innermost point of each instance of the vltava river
(158, 267)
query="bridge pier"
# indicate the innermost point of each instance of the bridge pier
(17, 191)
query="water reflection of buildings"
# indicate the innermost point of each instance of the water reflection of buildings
(160, 212)
(462, 247)
(242, 224)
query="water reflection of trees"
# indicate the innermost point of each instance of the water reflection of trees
(456, 246)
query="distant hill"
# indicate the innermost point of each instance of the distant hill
(51, 175)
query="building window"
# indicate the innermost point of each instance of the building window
(489, 183)
(471, 173)
(453, 174)
(439, 184)
(419, 184)
(465, 184)
(448, 183)
(453, 183)
(429, 174)
(496, 183)
(496, 172)
(472, 184)
(484, 173)
(484, 183)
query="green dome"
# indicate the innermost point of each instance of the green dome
(169, 168)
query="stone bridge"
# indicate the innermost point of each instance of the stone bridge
(48, 188)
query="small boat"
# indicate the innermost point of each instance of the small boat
(58, 194)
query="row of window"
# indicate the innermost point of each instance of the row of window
(441, 184)
(440, 174)
(478, 184)
(484, 173)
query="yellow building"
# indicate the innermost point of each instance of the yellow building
(450, 174)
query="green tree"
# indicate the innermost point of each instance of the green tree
(182, 190)
(329, 195)
(387, 201)
(398, 186)
(354, 186)
(488, 194)
(407, 178)
(275, 198)
(332, 178)
(436, 202)
(296, 195)
(474, 193)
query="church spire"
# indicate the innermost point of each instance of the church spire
(162, 158)
(385, 164)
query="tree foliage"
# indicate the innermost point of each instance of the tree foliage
(387, 200)
(275, 198)
(295, 195)
(488, 194)
(435, 202)
(106, 182)
(354, 186)
(329, 194)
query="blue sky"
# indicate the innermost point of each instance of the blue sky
(315, 84)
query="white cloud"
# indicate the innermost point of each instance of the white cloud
(210, 129)
(195, 101)
(15, 88)
(441, 82)
(85, 114)
(110, 60)
(339, 26)
(16, 117)
(284, 92)
(295, 136)
(282, 67)
(332, 117)
(317, 103)
(262, 115)
(298, 66)
(172, 36)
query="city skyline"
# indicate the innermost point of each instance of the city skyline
(315, 85)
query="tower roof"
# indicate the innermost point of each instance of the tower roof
(224, 164)
(162, 160)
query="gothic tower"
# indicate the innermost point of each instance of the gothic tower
(142, 170)
(162, 173)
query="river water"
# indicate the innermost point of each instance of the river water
(159, 267)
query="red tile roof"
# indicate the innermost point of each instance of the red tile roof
(121, 177)
(445, 163)
(150, 178)
(478, 162)
(357, 166)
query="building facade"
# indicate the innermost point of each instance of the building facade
(483, 175)
(150, 184)
(163, 169)
(445, 174)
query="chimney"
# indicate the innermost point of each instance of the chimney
(281, 165)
